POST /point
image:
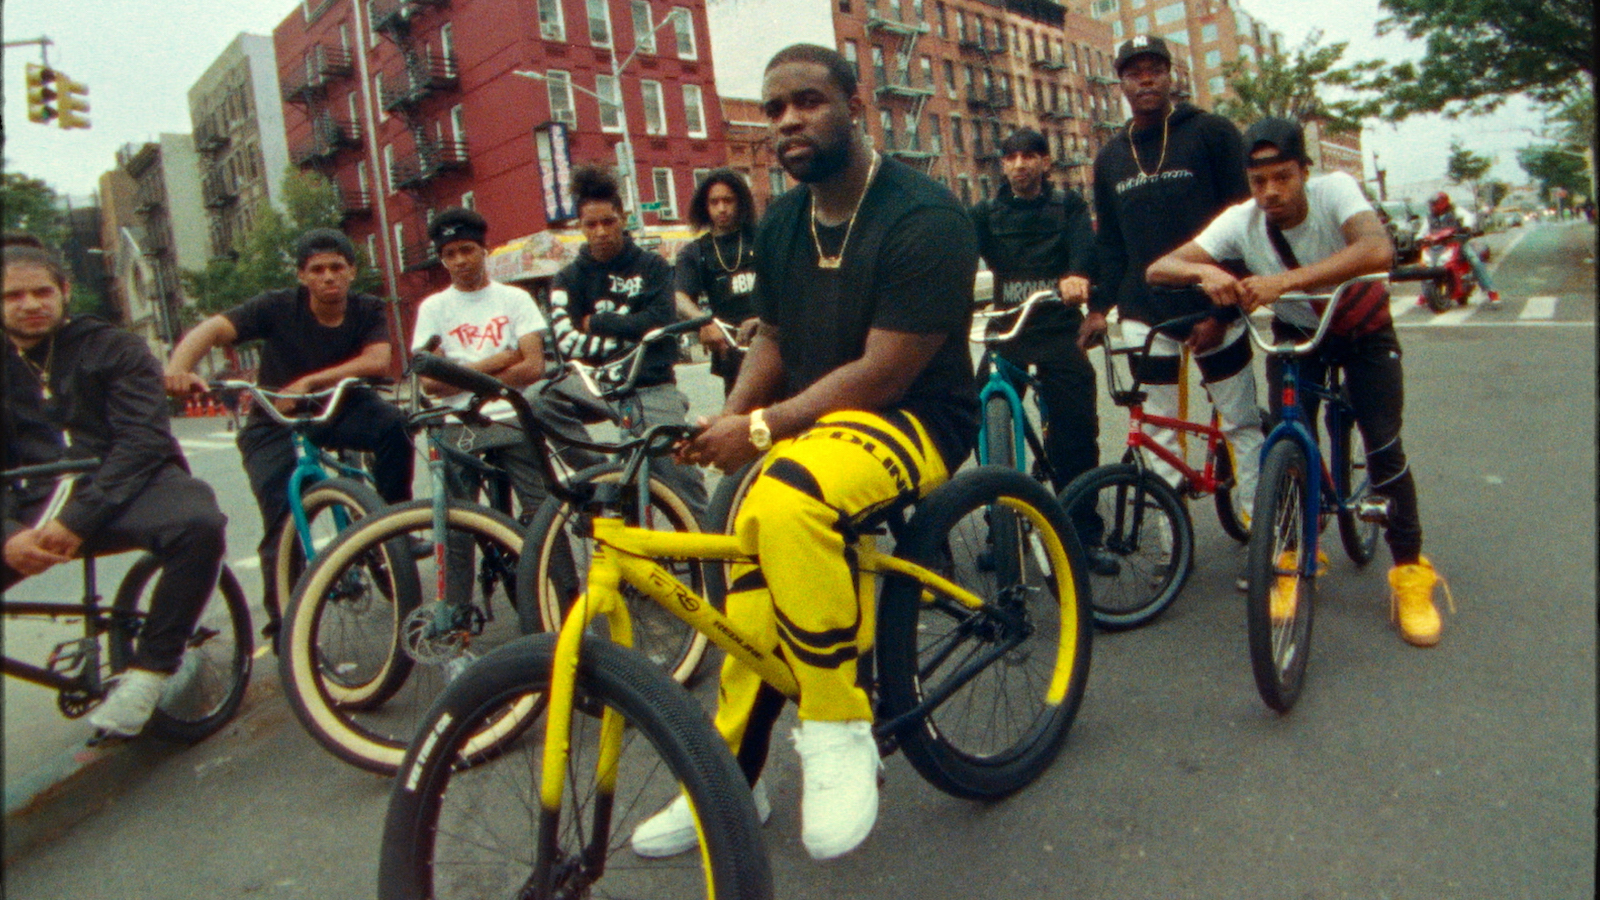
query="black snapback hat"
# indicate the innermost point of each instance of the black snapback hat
(1284, 135)
(458, 224)
(1139, 45)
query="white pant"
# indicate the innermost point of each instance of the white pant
(1233, 396)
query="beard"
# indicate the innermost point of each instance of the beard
(825, 161)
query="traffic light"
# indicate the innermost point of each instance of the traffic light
(41, 94)
(73, 102)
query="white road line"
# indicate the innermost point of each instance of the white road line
(1539, 308)
(1454, 316)
(223, 435)
(251, 562)
(1399, 306)
(1521, 323)
(198, 444)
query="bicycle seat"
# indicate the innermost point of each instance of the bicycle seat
(1128, 398)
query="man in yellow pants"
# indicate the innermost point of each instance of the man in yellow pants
(859, 387)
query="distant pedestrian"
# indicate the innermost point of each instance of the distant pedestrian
(717, 270)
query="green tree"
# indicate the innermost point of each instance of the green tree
(28, 204)
(1494, 192)
(1292, 87)
(262, 259)
(1480, 52)
(1466, 167)
(1554, 167)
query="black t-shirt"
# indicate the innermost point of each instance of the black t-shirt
(294, 343)
(722, 267)
(908, 267)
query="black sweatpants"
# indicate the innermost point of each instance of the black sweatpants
(175, 518)
(1375, 380)
(367, 423)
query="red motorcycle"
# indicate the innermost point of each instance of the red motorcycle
(1449, 279)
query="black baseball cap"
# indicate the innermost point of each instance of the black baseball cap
(1139, 45)
(1284, 135)
(457, 224)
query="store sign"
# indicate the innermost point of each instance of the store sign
(555, 171)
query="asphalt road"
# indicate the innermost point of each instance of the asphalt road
(1467, 770)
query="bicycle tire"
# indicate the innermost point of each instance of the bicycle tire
(1351, 477)
(453, 831)
(996, 733)
(1437, 298)
(315, 659)
(1000, 442)
(205, 692)
(555, 564)
(325, 496)
(1149, 533)
(1235, 523)
(722, 513)
(1279, 649)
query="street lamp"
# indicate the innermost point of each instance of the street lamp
(625, 148)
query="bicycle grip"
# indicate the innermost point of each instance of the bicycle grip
(471, 380)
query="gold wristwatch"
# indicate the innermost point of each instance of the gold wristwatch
(760, 434)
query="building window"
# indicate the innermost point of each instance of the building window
(877, 66)
(372, 250)
(684, 26)
(353, 101)
(399, 236)
(666, 194)
(694, 110)
(372, 28)
(1116, 31)
(935, 135)
(1172, 12)
(851, 57)
(469, 200)
(927, 74)
(944, 27)
(644, 31)
(775, 182)
(700, 176)
(983, 187)
(388, 168)
(886, 122)
(377, 93)
(957, 140)
(949, 79)
(1213, 58)
(558, 85)
(966, 190)
(1141, 24)
(611, 106)
(1216, 86)
(1103, 8)
(1178, 37)
(458, 124)
(599, 23)
(655, 115)
(447, 46)
(361, 182)
(552, 27)
(1208, 33)
(961, 25)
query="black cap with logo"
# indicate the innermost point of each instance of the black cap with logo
(458, 224)
(1140, 45)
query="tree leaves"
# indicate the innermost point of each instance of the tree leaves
(1292, 87)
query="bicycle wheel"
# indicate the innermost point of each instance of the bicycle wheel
(458, 832)
(339, 641)
(1352, 479)
(1279, 602)
(1002, 682)
(555, 567)
(1147, 531)
(206, 690)
(331, 505)
(721, 513)
(1437, 298)
(1235, 521)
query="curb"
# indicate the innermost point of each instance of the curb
(72, 787)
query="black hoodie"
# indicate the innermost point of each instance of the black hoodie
(1142, 217)
(107, 396)
(623, 298)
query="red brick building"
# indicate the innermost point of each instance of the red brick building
(414, 106)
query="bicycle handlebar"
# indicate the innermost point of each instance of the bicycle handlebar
(979, 334)
(1333, 300)
(265, 399)
(52, 469)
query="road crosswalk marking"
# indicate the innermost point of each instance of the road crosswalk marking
(1454, 316)
(201, 444)
(1539, 308)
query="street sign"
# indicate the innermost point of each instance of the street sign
(651, 205)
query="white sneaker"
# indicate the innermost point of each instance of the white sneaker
(671, 831)
(130, 704)
(839, 803)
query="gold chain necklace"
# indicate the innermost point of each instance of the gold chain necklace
(1135, 150)
(825, 261)
(737, 257)
(42, 373)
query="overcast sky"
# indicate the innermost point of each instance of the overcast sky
(139, 59)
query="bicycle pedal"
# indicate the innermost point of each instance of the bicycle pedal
(1373, 509)
(68, 656)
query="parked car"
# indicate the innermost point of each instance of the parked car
(1405, 220)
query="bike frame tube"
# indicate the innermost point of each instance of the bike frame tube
(1293, 426)
(1003, 382)
(1203, 480)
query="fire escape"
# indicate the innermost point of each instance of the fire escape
(896, 85)
(330, 132)
(988, 98)
(426, 74)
